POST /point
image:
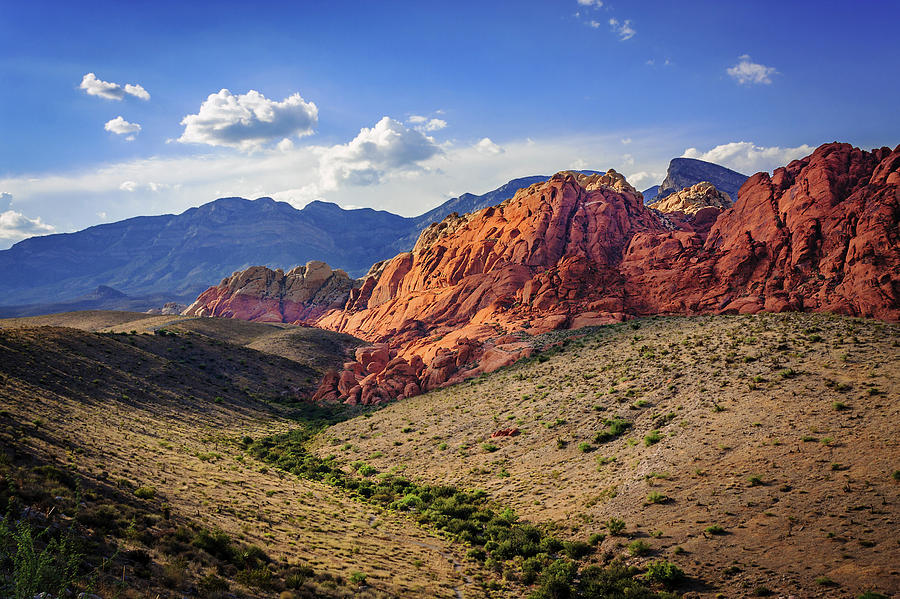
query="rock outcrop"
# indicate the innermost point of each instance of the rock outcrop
(302, 294)
(693, 199)
(820, 234)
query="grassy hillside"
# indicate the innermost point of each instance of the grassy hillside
(128, 448)
(758, 453)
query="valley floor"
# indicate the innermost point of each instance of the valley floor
(757, 453)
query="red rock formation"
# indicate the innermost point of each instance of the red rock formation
(820, 234)
(263, 295)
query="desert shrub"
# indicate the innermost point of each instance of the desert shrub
(639, 547)
(615, 526)
(665, 573)
(145, 492)
(33, 562)
(614, 428)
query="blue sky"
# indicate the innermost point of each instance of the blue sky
(475, 93)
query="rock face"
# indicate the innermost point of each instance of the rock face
(263, 295)
(693, 199)
(687, 172)
(820, 234)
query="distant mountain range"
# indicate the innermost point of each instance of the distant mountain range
(153, 259)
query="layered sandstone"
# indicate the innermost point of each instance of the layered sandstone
(820, 234)
(303, 293)
(693, 199)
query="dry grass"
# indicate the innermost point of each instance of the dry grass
(164, 412)
(779, 431)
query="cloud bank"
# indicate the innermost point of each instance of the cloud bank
(248, 121)
(749, 158)
(15, 225)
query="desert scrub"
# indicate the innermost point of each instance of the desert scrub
(145, 492)
(615, 428)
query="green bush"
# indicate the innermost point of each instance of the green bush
(615, 526)
(145, 492)
(665, 573)
(34, 569)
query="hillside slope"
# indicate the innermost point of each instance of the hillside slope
(134, 442)
(758, 453)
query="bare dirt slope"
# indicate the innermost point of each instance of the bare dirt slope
(164, 413)
(316, 348)
(760, 455)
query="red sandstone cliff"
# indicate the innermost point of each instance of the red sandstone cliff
(820, 234)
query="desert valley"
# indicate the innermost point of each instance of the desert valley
(675, 376)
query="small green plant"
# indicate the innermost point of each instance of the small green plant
(615, 526)
(665, 573)
(596, 538)
(656, 497)
(489, 447)
(639, 548)
(585, 447)
(652, 438)
(145, 492)
(755, 480)
(840, 406)
(824, 581)
(357, 578)
(715, 529)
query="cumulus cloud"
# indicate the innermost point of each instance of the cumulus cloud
(15, 225)
(644, 179)
(594, 3)
(374, 153)
(749, 158)
(120, 126)
(486, 146)
(425, 124)
(622, 28)
(111, 91)
(248, 121)
(747, 72)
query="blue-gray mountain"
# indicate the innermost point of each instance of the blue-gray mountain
(152, 259)
(685, 172)
(178, 256)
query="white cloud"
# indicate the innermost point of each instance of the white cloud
(627, 160)
(120, 126)
(623, 29)
(137, 91)
(747, 72)
(425, 124)
(248, 121)
(111, 91)
(285, 145)
(625, 141)
(70, 200)
(641, 180)
(594, 24)
(749, 158)
(386, 148)
(15, 226)
(486, 146)
(594, 3)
